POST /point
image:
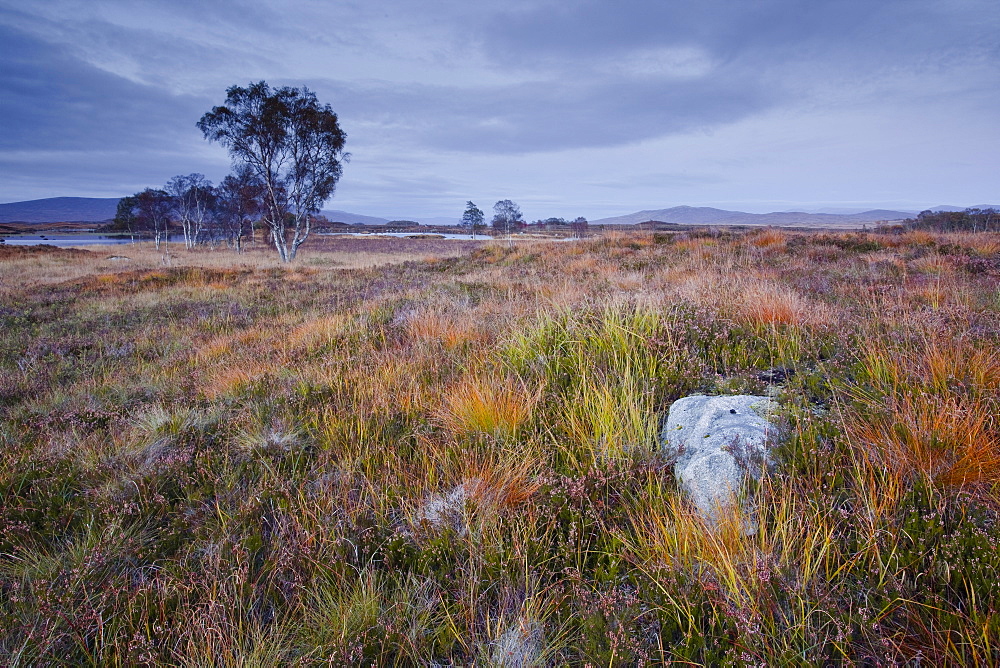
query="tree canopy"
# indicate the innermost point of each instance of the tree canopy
(506, 216)
(290, 142)
(146, 211)
(473, 216)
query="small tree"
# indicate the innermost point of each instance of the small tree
(146, 211)
(154, 213)
(580, 226)
(240, 200)
(506, 216)
(193, 199)
(125, 219)
(473, 217)
(289, 141)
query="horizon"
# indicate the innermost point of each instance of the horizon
(567, 110)
(806, 209)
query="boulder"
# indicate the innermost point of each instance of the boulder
(717, 443)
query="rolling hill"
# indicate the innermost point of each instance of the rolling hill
(703, 215)
(60, 210)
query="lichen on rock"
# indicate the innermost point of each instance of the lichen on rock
(717, 443)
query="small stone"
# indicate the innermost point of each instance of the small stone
(778, 374)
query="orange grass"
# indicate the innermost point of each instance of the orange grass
(933, 409)
(770, 303)
(954, 443)
(493, 406)
(769, 238)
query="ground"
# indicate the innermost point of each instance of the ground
(212, 459)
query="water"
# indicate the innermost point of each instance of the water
(437, 235)
(63, 240)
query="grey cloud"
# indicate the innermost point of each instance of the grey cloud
(53, 101)
(547, 116)
(731, 27)
(487, 82)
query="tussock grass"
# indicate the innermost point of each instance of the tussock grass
(452, 457)
(496, 408)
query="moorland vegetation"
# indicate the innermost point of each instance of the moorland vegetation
(456, 460)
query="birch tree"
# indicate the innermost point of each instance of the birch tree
(292, 144)
(192, 198)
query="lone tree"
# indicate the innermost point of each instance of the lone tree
(473, 217)
(292, 144)
(506, 216)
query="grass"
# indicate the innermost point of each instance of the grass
(409, 452)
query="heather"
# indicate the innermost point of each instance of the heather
(451, 456)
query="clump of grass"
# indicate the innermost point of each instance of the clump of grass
(769, 303)
(478, 405)
(952, 442)
(768, 238)
(931, 410)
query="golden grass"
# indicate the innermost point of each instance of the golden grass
(319, 332)
(932, 264)
(764, 302)
(737, 557)
(443, 326)
(363, 408)
(769, 238)
(47, 268)
(493, 406)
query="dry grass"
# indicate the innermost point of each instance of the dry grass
(497, 407)
(933, 410)
(770, 303)
(222, 461)
(447, 327)
(952, 442)
(62, 265)
(769, 238)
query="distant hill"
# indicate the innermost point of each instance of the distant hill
(947, 207)
(703, 215)
(336, 216)
(60, 210)
(100, 209)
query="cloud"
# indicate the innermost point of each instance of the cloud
(550, 115)
(53, 101)
(108, 91)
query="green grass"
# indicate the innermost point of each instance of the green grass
(233, 466)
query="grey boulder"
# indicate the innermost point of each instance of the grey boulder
(717, 443)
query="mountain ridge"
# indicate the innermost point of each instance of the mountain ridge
(60, 210)
(102, 209)
(705, 215)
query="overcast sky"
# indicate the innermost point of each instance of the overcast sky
(567, 107)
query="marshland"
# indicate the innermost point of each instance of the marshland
(448, 453)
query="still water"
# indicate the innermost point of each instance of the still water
(403, 235)
(63, 240)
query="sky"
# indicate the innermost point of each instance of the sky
(568, 107)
